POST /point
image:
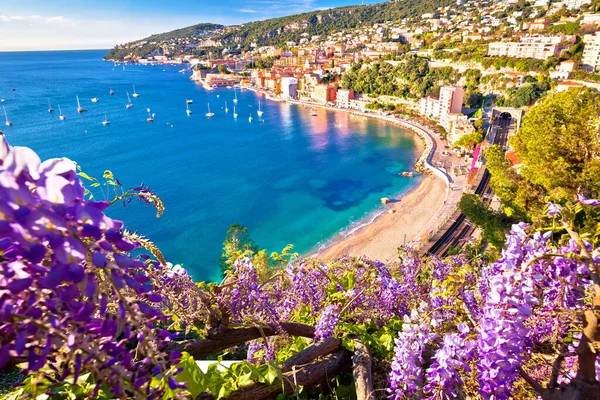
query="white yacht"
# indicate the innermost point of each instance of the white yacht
(7, 121)
(209, 114)
(106, 121)
(135, 94)
(259, 112)
(129, 104)
(60, 114)
(187, 108)
(50, 109)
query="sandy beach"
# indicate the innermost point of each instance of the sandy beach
(381, 239)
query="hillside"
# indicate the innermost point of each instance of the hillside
(278, 31)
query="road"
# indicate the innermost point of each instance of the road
(461, 228)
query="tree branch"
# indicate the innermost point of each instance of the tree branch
(556, 367)
(311, 353)
(532, 382)
(226, 338)
(361, 366)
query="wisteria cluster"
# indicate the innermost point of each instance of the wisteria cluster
(453, 357)
(327, 322)
(71, 296)
(406, 375)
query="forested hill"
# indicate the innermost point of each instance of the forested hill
(198, 30)
(278, 31)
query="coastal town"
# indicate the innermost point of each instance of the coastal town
(448, 75)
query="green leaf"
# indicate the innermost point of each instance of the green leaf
(195, 380)
(85, 176)
(273, 373)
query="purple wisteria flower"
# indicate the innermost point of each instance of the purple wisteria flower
(407, 373)
(588, 202)
(327, 322)
(452, 357)
(553, 209)
(71, 297)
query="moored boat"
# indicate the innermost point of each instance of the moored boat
(79, 108)
(7, 121)
(209, 114)
(61, 116)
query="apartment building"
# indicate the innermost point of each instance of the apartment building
(539, 47)
(449, 102)
(343, 97)
(591, 52)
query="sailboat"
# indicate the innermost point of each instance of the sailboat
(235, 114)
(226, 109)
(95, 99)
(134, 92)
(259, 112)
(209, 114)
(187, 109)
(250, 118)
(111, 92)
(8, 123)
(189, 101)
(50, 109)
(150, 116)
(61, 116)
(1, 98)
(79, 108)
(106, 121)
(235, 97)
(128, 105)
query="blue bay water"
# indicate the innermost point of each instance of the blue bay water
(292, 178)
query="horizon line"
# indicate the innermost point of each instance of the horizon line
(48, 50)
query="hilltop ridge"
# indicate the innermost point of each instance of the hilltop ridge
(203, 38)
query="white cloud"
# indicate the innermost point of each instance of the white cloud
(246, 10)
(59, 19)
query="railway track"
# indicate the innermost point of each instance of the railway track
(462, 228)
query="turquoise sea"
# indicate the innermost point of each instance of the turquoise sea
(289, 177)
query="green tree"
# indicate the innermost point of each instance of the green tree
(237, 244)
(222, 69)
(494, 225)
(559, 144)
(469, 141)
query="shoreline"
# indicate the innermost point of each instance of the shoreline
(411, 215)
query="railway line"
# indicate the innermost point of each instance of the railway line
(461, 228)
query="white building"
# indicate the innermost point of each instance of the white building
(539, 47)
(289, 86)
(591, 52)
(450, 102)
(575, 4)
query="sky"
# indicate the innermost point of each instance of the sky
(100, 24)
